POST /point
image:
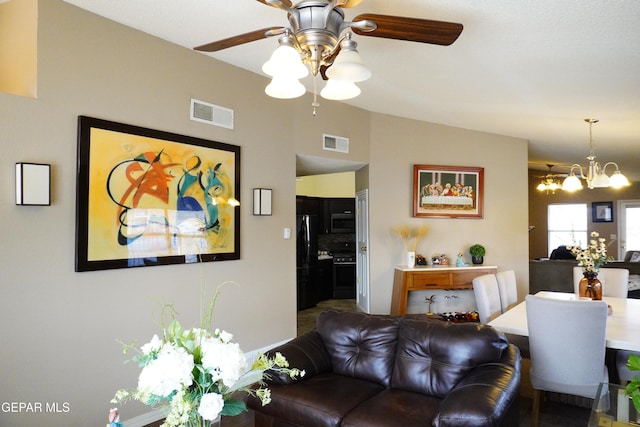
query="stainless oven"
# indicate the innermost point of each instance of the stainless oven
(344, 276)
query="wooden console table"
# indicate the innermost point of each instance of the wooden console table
(407, 279)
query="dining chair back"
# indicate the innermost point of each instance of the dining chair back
(485, 289)
(567, 347)
(508, 289)
(615, 281)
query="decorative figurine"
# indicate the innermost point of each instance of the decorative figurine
(430, 300)
(114, 418)
(460, 262)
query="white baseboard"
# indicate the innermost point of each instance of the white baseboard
(158, 414)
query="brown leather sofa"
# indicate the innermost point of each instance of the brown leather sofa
(375, 370)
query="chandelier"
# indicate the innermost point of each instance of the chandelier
(550, 182)
(596, 176)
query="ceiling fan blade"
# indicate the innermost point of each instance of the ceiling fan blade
(347, 3)
(285, 2)
(240, 39)
(410, 29)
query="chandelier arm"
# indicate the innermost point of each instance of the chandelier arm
(610, 163)
(575, 165)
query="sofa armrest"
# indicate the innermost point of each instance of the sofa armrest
(306, 352)
(487, 396)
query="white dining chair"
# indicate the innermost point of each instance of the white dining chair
(485, 289)
(508, 289)
(615, 281)
(567, 347)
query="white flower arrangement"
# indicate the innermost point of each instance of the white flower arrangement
(593, 256)
(196, 373)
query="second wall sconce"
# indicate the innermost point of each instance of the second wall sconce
(262, 201)
(33, 184)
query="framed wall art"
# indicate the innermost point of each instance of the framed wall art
(448, 191)
(602, 211)
(147, 197)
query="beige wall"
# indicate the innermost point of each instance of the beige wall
(60, 327)
(503, 230)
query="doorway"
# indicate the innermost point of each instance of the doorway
(328, 194)
(628, 226)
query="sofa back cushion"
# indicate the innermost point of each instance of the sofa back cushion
(434, 355)
(360, 345)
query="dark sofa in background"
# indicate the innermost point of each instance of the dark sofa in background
(557, 274)
(375, 370)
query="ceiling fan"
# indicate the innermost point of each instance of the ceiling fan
(550, 182)
(318, 34)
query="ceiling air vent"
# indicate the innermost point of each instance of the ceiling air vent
(335, 143)
(212, 114)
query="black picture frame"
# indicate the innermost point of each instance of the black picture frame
(602, 211)
(146, 197)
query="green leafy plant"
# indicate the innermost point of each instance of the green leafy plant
(633, 388)
(477, 250)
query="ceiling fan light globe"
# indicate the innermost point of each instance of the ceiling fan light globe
(541, 187)
(571, 183)
(285, 62)
(618, 180)
(284, 88)
(348, 66)
(339, 90)
(601, 180)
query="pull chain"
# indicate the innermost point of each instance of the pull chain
(315, 104)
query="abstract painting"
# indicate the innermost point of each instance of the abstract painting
(147, 197)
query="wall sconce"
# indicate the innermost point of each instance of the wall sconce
(262, 201)
(33, 184)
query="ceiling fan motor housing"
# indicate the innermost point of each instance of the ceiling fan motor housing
(316, 27)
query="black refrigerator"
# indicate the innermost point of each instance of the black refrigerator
(307, 260)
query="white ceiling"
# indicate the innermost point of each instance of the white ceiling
(531, 69)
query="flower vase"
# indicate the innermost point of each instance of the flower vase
(411, 259)
(590, 286)
(201, 422)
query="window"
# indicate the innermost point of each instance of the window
(567, 225)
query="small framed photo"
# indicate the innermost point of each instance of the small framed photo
(602, 211)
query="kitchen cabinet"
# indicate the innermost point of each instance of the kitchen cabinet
(408, 279)
(325, 279)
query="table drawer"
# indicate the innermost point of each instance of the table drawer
(429, 281)
(465, 278)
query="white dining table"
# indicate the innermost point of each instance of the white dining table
(623, 324)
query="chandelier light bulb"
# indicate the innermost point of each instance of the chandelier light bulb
(285, 62)
(338, 90)
(571, 183)
(600, 180)
(284, 88)
(348, 66)
(618, 180)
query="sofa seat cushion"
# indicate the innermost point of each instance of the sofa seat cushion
(394, 407)
(433, 356)
(319, 401)
(360, 345)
